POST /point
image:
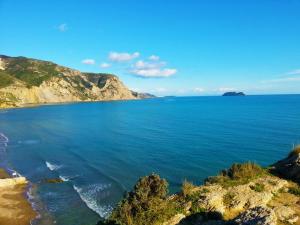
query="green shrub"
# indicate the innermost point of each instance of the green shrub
(258, 187)
(237, 174)
(295, 190)
(147, 204)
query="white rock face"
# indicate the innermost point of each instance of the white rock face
(2, 64)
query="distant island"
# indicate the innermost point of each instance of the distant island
(233, 93)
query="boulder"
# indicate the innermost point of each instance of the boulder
(256, 216)
(289, 168)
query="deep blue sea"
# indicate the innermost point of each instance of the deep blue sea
(101, 149)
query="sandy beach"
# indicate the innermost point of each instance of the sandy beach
(14, 207)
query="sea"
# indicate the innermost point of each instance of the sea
(101, 149)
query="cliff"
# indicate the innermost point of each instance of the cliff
(244, 194)
(14, 207)
(29, 81)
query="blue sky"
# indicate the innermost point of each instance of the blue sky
(183, 47)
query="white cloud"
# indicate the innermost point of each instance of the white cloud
(154, 57)
(105, 65)
(225, 89)
(62, 27)
(122, 56)
(154, 72)
(88, 61)
(292, 76)
(152, 69)
(294, 72)
(148, 65)
(279, 80)
(199, 90)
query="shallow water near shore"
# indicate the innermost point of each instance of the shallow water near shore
(101, 149)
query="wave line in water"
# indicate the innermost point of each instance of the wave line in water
(52, 166)
(89, 198)
(3, 141)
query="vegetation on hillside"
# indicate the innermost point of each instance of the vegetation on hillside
(147, 204)
(5, 79)
(237, 174)
(32, 72)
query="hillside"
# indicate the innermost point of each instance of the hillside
(26, 81)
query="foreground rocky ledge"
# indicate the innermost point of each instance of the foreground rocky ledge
(244, 194)
(14, 207)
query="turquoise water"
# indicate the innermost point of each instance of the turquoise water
(101, 149)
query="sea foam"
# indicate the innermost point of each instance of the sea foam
(3, 141)
(88, 196)
(64, 178)
(52, 166)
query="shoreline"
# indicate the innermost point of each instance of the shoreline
(33, 105)
(15, 207)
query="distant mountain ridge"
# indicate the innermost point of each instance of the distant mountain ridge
(30, 81)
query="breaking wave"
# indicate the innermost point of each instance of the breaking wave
(3, 141)
(52, 166)
(89, 196)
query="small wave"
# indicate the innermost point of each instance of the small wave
(65, 178)
(3, 138)
(29, 142)
(52, 166)
(15, 174)
(88, 196)
(3, 141)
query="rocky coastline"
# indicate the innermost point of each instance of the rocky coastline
(244, 194)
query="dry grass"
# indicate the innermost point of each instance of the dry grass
(295, 151)
(187, 188)
(238, 174)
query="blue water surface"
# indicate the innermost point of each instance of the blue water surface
(101, 149)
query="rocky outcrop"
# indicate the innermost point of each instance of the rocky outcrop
(29, 81)
(8, 182)
(244, 194)
(289, 167)
(256, 216)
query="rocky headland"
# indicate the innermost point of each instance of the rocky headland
(25, 81)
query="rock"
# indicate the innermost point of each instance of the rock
(143, 95)
(234, 93)
(12, 181)
(212, 200)
(53, 180)
(289, 167)
(256, 216)
(286, 214)
(175, 219)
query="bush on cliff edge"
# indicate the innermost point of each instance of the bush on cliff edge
(147, 204)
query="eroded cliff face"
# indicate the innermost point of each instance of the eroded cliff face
(29, 81)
